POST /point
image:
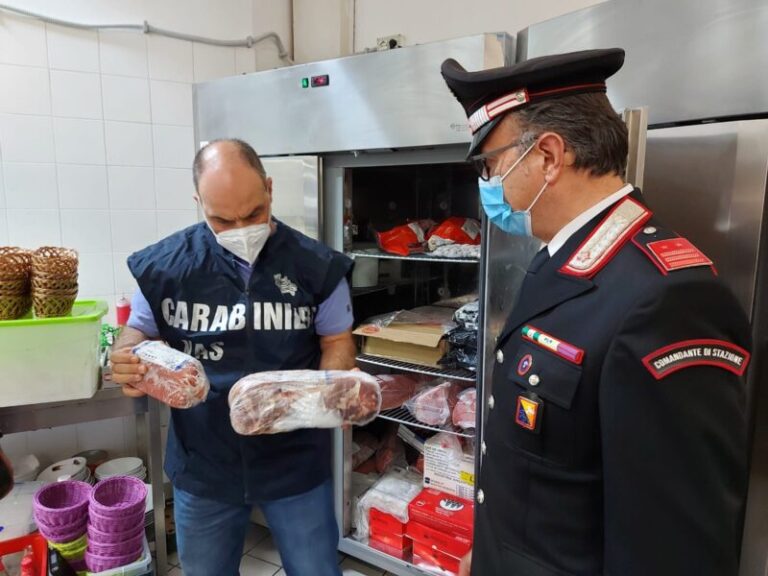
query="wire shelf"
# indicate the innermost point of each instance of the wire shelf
(403, 416)
(374, 253)
(452, 374)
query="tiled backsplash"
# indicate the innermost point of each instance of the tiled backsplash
(96, 145)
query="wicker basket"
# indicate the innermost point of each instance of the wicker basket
(13, 307)
(53, 283)
(53, 304)
(54, 261)
(15, 264)
(63, 503)
(119, 497)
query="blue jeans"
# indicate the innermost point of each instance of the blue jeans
(210, 534)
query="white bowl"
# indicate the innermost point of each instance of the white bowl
(25, 468)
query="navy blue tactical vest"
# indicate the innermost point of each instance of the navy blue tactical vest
(203, 307)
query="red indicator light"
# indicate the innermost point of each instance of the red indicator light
(318, 81)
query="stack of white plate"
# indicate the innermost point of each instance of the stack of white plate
(25, 468)
(122, 467)
(69, 469)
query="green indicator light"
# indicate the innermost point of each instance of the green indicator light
(305, 82)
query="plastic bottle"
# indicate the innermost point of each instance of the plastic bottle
(123, 309)
(28, 563)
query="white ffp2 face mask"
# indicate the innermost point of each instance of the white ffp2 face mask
(245, 243)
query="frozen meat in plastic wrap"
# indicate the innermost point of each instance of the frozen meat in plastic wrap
(406, 239)
(454, 230)
(464, 411)
(172, 377)
(391, 495)
(434, 405)
(397, 389)
(282, 401)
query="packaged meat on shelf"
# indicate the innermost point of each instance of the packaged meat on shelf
(464, 413)
(435, 404)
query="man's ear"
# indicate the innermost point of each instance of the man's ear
(553, 152)
(268, 182)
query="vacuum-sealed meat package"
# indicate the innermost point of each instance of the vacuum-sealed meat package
(406, 239)
(434, 405)
(282, 401)
(464, 411)
(172, 377)
(397, 389)
(454, 230)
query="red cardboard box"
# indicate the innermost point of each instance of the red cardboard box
(399, 541)
(402, 554)
(450, 544)
(443, 512)
(426, 557)
(386, 522)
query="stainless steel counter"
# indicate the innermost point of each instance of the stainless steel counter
(108, 402)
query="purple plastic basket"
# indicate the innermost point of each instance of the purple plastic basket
(119, 496)
(63, 503)
(62, 534)
(98, 563)
(96, 535)
(119, 548)
(113, 525)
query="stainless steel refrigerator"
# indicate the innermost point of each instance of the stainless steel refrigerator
(374, 139)
(700, 68)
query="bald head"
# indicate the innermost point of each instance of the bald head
(232, 187)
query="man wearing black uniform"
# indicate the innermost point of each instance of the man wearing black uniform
(615, 440)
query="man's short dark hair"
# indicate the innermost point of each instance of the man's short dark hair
(247, 153)
(591, 128)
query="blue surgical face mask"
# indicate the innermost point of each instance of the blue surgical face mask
(515, 222)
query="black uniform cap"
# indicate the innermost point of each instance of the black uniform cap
(489, 94)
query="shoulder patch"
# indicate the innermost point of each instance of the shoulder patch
(718, 353)
(669, 252)
(607, 238)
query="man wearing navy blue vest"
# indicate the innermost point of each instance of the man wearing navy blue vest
(243, 293)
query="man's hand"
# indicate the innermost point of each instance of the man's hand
(126, 367)
(127, 371)
(466, 565)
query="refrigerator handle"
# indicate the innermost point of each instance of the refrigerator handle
(636, 120)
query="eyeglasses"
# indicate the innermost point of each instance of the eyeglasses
(480, 164)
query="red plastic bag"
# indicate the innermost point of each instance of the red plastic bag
(455, 230)
(406, 239)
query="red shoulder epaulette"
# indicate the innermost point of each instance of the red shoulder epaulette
(668, 251)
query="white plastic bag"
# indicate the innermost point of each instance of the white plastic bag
(391, 495)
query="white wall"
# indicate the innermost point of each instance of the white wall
(321, 28)
(96, 143)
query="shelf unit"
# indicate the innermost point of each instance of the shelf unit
(403, 416)
(108, 402)
(376, 253)
(452, 374)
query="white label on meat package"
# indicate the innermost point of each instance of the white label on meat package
(162, 355)
(442, 470)
(471, 228)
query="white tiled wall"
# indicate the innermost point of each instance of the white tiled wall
(96, 145)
